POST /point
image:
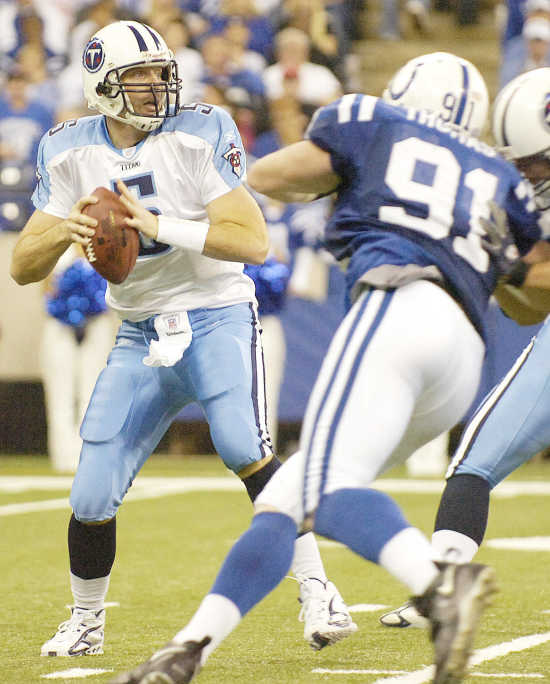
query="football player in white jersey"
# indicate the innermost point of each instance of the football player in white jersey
(189, 327)
(413, 188)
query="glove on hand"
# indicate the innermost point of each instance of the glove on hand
(499, 242)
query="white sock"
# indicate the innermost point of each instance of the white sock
(454, 547)
(408, 557)
(216, 617)
(307, 559)
(89, 593)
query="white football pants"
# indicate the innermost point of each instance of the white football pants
(403, 367)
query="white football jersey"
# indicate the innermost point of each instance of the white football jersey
(176, 170)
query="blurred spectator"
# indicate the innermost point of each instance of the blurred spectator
(160, 13)
(93, 16)
(221, 72)
(417, 12)
(58, 18)
(351, 12)
(42, 85)
(190, 61)
(25, 22)
(78, 336)
(237, 33)
(327, 39)
(211, 16)
(23, 121)
(530, 48)
(312, 85)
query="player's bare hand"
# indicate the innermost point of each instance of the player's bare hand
(78, 227)
(142, 219)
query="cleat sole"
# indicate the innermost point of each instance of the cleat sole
(480, 596)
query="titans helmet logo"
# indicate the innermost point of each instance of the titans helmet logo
(233, 156)
(94, 55)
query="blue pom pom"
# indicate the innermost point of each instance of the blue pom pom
(271, 281)
(79, 293)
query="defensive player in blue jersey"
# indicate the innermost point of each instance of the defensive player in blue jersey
(412, 191)
(513, 423)
(190, 327)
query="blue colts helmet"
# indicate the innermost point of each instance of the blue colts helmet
(444, 83)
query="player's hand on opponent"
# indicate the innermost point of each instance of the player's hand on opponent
(142, 219)
(499, 242)
(78, 227)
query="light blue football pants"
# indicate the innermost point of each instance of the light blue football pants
(133, 405)
(513, 422)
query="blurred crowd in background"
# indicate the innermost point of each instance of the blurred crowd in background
(271, 64)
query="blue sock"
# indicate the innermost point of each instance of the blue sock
(258, 560)
(362, 519)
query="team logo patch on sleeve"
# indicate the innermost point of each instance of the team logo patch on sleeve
(94, 55)
(233, 156)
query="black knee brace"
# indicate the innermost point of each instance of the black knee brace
(91, 548)
(258, 480)
(464, 506)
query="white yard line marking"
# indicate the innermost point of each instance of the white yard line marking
(20, 483)
(504, 675)
(498, 650)
(322, 670)
(366, 607)
(520, 544)
(508, 675)
(75, 673)
(143, 488)
(34, 506)
(480, 656)
(155, 487)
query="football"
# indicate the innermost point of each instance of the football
(113, 249)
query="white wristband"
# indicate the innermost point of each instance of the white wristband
(182, 232)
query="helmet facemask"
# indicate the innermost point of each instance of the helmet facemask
(542, 186)
(166, 94)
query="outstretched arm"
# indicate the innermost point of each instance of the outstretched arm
(298, 173)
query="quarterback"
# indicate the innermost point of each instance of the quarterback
(189, 329)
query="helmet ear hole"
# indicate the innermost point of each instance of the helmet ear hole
(102, 89)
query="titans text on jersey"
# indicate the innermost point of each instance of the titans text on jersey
(176, 170)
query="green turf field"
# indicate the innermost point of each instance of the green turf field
(169, 550)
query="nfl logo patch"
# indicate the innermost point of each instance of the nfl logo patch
(94, 55)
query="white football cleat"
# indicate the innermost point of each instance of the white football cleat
(81, 634)
(404, 616)
(325, 615)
